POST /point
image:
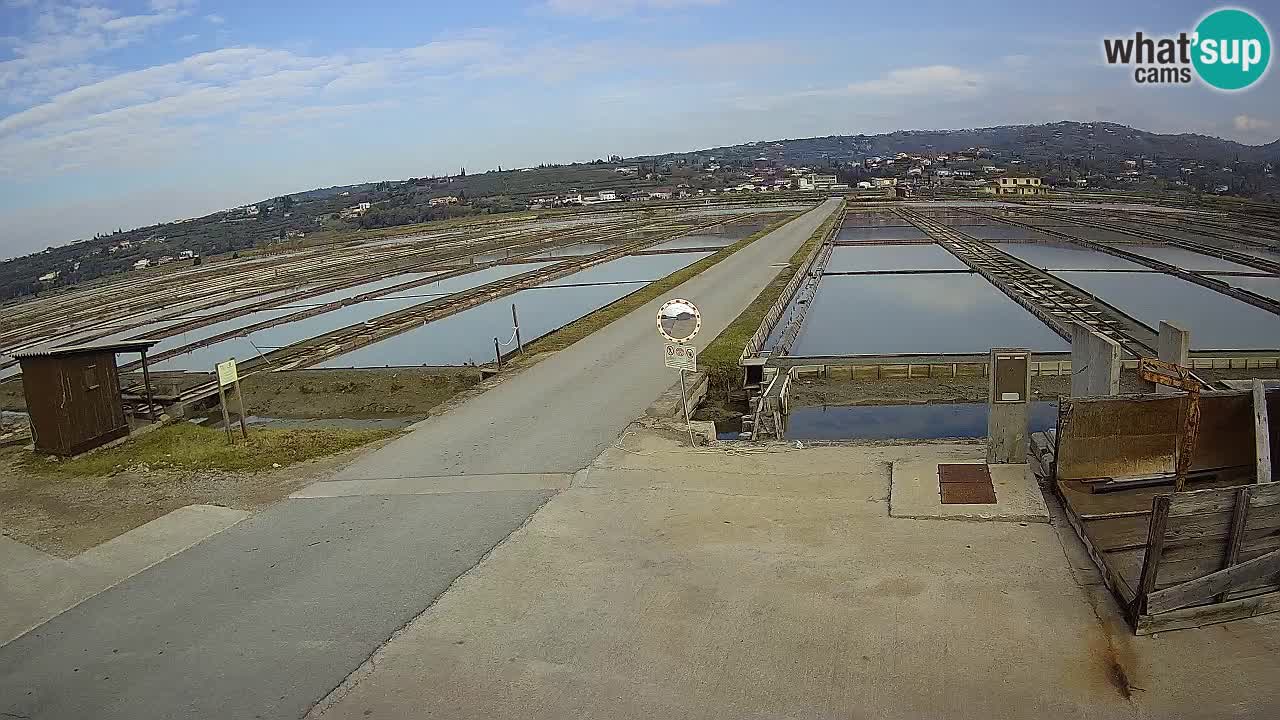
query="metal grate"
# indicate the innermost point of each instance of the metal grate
(965, 484)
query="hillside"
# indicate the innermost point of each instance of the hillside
(1099, 155)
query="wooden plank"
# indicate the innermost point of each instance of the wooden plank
(1123, 533)
(1216, 500)
(1261, 432)
(1203, 588)
(1208, 614)
(1155, 548)
(1116, 582)
(1235, 537)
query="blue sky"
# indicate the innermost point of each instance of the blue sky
(118, 114)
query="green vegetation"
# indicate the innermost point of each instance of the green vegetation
(584, 326)
(720, 358)
(184, 446)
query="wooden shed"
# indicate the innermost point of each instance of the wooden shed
(73, 394)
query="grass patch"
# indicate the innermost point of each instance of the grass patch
(720, 358)
(584, 326)
(183, 446)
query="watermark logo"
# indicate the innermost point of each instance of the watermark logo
(1229, 49)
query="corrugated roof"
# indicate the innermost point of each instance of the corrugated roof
(41, 351)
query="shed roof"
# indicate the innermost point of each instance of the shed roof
(42, 351)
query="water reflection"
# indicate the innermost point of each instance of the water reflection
(1216, 321)
(904, 422)
(1065, 256)
(888, 314)
(861, 258)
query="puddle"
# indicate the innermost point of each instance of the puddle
(903, 422)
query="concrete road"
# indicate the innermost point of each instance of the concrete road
(265, 619)
(670, 583)
(560, 414)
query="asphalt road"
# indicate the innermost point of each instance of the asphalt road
(264, 619)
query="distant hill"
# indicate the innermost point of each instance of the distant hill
(1099, 155)
(1061, 138)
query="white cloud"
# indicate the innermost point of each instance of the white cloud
(189, 37)
(929, 80)
(616, 8)
(215, 19)
(62, 37)
(1248, 123)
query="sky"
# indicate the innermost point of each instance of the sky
(121, 114)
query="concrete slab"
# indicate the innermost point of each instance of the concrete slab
(914, 494)
(35, 586)
(435, 485)
(772, 583)
(298, 595)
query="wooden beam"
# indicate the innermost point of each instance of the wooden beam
(1203, 588)
(1261, 431)
(1194, 617)
(1151, 559)
(1235, 536)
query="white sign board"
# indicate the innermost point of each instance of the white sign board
(227, 373)
(681, 357)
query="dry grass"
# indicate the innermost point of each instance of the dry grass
(720, 358)
(184, 446)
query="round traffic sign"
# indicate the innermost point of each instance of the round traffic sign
(679, 320)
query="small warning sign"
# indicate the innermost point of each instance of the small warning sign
(681, 357)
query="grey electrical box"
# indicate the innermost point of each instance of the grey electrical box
(1010, 396)
(1010, 376)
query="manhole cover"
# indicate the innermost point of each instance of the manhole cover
(966, 484)
(966, 473)
(968, 494)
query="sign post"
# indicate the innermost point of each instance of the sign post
(229, 376)
(679, 321)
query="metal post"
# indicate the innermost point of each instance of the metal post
(516, 321)
(497, 352)
(146, 384)
(684, 403)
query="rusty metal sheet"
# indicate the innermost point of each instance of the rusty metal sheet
(960, 493)
(964, 473)
(1124, 436)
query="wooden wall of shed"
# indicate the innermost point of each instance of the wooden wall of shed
(1132, 435)
(68, 416)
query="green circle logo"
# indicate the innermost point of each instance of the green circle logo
(1232, 49)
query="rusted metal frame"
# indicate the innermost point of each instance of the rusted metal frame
(1180, 378)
